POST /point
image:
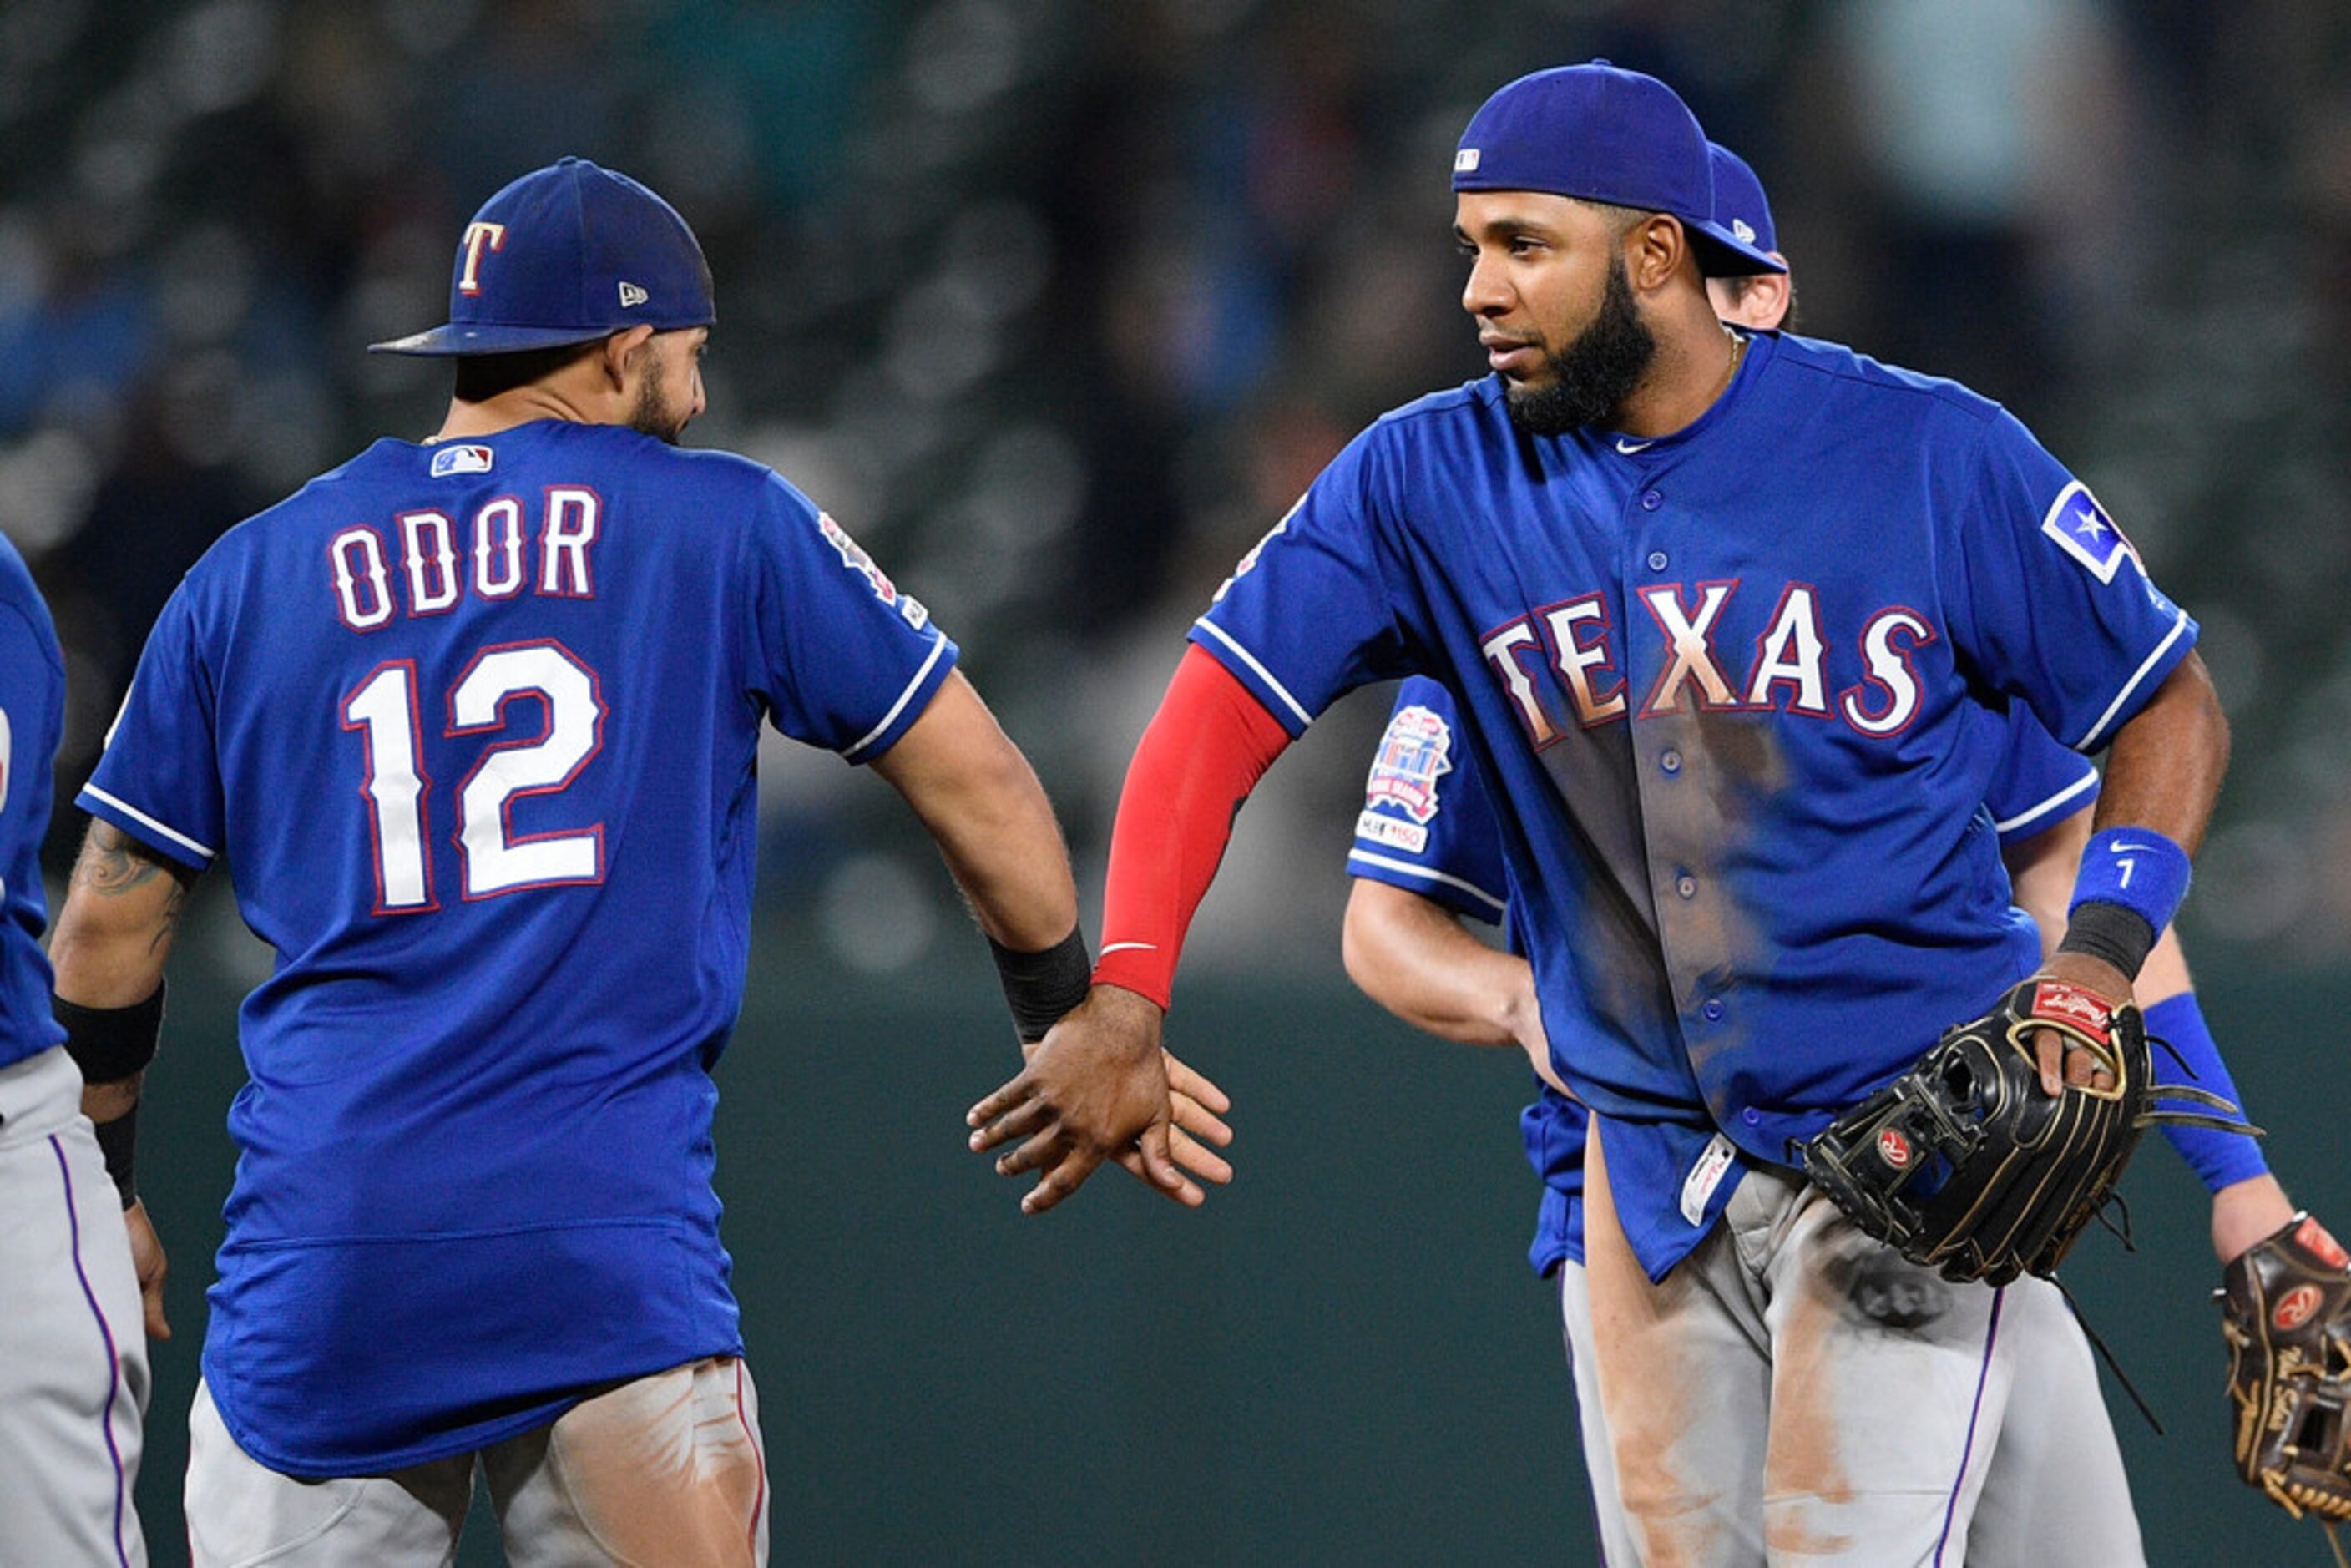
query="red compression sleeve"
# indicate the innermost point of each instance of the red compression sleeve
(1205, 750)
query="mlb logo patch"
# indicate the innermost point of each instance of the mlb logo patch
(2082, 530)
(1413, 754)
(1466, 161)
(448, 460)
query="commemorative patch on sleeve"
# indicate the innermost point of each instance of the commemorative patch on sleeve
(2082, 528)
(1413, 754)
(853, 557)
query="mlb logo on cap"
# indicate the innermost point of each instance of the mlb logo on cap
(567, 254)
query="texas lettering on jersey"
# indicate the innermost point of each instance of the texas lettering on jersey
(1786, 667)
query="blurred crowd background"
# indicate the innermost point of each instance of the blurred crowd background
(1058, 305)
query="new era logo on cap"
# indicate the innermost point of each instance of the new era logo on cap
(1741, 232)
(631, 297)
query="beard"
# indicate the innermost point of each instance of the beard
(1593, 375)
(654, 416)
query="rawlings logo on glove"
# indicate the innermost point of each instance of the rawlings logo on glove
(1965, 1163)
(2283, 1311)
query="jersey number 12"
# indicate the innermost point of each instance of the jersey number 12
(492, 860)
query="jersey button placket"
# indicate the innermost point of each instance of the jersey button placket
(1658, 561)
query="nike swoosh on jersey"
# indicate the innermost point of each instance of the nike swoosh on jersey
(1628, 448)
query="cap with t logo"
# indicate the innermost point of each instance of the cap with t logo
(567, 254)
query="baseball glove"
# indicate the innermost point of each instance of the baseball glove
(1965, 1164)
(2285, 1309)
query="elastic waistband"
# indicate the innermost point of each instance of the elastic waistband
(39, 1096)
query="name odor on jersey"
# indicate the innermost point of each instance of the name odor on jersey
(499, 537)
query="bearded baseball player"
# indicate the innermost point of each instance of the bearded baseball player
(1426, 855)
(73, 1364)
(1733, 620)
(473, 720)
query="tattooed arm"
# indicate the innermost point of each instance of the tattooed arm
(121, 914)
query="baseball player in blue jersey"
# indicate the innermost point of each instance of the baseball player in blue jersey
(1731, 618)
(1426, 852)
(474, 722)
(73, 1364)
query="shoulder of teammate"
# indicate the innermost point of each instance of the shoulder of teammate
(23, 600)
(1426, 826)
(2039, 782)
(32, 701)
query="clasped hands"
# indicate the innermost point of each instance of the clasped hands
(1099, 1088)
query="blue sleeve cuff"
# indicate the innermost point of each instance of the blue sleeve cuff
(912, 701)
(2219, 1159)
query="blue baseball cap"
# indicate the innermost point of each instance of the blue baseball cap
(567, 254)
(1605, 135)
(1740, 205)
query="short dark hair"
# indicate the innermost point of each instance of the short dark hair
(1623, 217)
(481, 377)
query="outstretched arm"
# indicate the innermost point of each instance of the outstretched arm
(982, 804)
(121, 912)
(1415, 957)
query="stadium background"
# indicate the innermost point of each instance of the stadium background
(1056, 305)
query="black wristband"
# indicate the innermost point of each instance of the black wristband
(110, 1043)
(119, 1141)
(1041, 987)
(2111, 933)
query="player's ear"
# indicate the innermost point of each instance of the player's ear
(620, 350)
(1768, 297)
(1655, 250)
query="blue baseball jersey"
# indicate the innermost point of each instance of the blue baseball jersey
(474, 725)
(1735, 691)
(1426, 827)
(32, 716)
